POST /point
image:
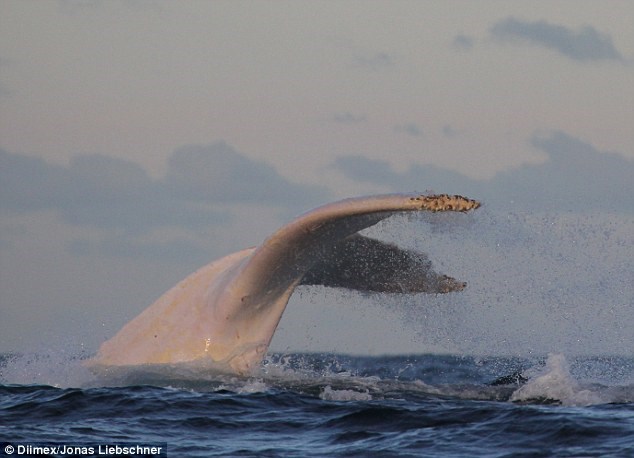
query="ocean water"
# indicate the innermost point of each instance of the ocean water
(556, 292)
(326, 405)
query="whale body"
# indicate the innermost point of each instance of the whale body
(227, 311)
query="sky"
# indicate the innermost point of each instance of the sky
(140, 140)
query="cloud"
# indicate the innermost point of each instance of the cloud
(377, 61)
(77, 7)
(174, 249)
(576, 176)
(96, 191)
(4, 89)
(585, 44)
(448, 131)
(362, 169)
(201, 186)
(28, 183)
(578, 173)
(416, 178)
(218, 173)
(348, 118)
(463, 42)
(409, 129)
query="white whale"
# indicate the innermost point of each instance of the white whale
(227, 312)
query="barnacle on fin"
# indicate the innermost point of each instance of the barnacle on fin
(446, 202)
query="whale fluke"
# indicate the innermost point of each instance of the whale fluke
(367, 264)
(227, 311)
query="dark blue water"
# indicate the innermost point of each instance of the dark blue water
(330, 405)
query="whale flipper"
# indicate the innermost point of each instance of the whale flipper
(227, 311)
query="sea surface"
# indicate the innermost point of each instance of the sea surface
(546, 289)
(325, 405)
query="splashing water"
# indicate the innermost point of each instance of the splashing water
(462, 366)
(332, 405)
(537, 283)
(555, 384)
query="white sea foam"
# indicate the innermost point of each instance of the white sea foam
(554, 383)
(330, 394)
(249, 386)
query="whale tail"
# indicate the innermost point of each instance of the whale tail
(227, 311)
(366, 264)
